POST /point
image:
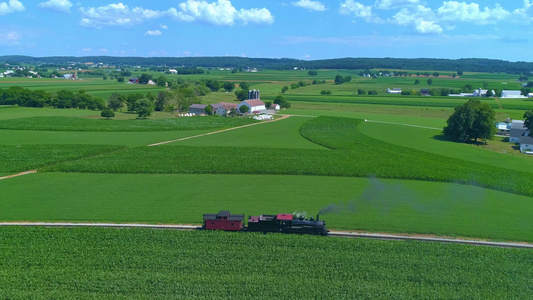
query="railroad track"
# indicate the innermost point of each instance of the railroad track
(365, 235)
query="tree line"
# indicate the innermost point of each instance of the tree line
(465, 64)
(16, 95)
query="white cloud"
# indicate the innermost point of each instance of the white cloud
(390, 4)
(103, 50)
(311, 5)
(11, 7)
(420, 18)
(358, 10)
(163, 26)
(9, 38)
(62, 6)
(463, 12)
(86, 50)
(153, 32)
(220, 13)
(116, 15)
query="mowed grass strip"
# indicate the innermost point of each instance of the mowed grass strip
(73, 263)
(21, 158)
(102, 125)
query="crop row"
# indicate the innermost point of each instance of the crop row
(27, 157)
(407, 101)
(101, 263)
(354, 155)
(101, 125)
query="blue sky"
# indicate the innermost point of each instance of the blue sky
(302, 29)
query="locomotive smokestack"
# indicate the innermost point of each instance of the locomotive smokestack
(317, 216)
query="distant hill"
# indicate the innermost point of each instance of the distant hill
(423, 64)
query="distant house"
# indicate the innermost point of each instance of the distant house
(517, 130)
(424, 92)
(151, 82)
(461, 95)
(394, 91)
(255, 105)
(223, 109)
(197, 109)
(275, 106)
(530, 95)
(173, 71)
(526, 144)
(134, 80)
(511, 94)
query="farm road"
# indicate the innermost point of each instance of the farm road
(218, 131)
(410, 125)
(19, 174)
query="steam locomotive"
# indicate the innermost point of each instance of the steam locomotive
(284, 223)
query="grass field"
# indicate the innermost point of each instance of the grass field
(145, 263)
(380, 205)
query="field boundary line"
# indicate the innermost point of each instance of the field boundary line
(410, 125)
(368, 235)
(218, 131)
(19, 174)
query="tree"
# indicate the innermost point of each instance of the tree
(229, 86)
(162, 100)
(528, 121)
(120, 79)
(144, 107)
(430, 81)
(208, 110)
(241, 95)
(245, 86)
(485, 85)
(115, 101)
(472, 120)
(361, 92)
(284, 89)
(460, 73)
(161, 81)
(436, 74)
(145, 78)
(339, 79)
(244, 109)
(107, 113)
(282, 102)
(417, 82)
(312, 73)
(268, 104)
(131, 100)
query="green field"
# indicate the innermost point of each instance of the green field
(145, 263)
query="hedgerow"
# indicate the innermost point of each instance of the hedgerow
(101, 125)
(99, 263)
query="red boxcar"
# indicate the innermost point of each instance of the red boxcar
(223, 221)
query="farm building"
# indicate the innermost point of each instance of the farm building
(254, 94)
(526, 144)
(173, 71)
(255, 105)
(512, 94)
(275, 106)
(425, 92)
(197, 109)
(517, 130)
(482, 93)
(133, 80)
(223, 109)
(394, 91)
(504, 128)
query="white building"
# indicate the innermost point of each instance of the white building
(526, 144)
(223, 109)
(482, 93)
(173, 71)
(254, 105)
(511, 94)
(394, 91)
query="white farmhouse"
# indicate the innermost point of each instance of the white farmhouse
(173, 71)
(223, 109)
(254, 105)
(512, 94)
(482, 93)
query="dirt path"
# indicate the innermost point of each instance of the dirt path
(218, 131)
(497, 99)
(410, 125)
(19, 174)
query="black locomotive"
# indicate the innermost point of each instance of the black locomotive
(284, 223)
